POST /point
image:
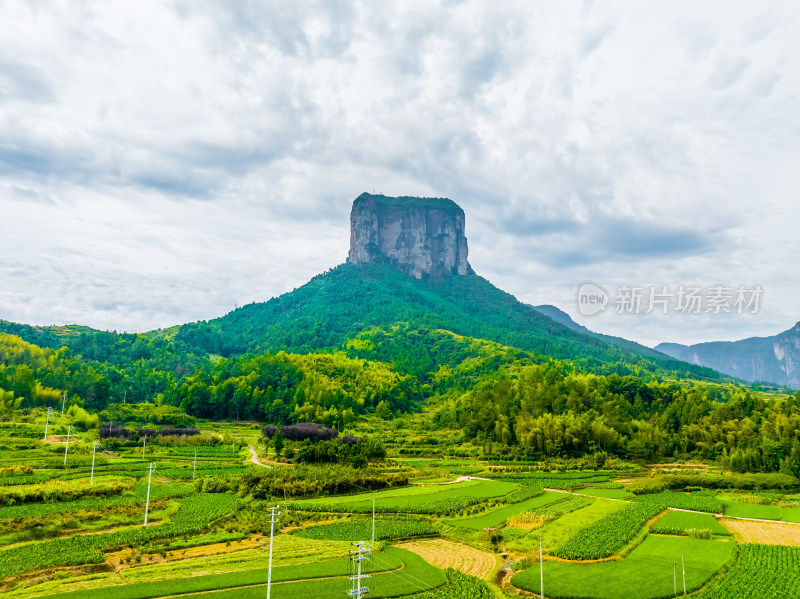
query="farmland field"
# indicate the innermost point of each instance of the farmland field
(767, 533)
(63, 537)
(446, 554)
(736, 509)
(499, 516)
(558, 533)
(607, 493)
(646, 573)
(680, 523)
(443, 499)
(760, 572)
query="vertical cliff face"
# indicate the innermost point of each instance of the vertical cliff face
(420, 236)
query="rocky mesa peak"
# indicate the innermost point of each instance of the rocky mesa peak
(423, 237)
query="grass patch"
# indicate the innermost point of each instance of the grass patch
(736, 509)
(647, 573)
(791, 514)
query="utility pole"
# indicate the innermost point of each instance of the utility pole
(373, 515)
(675, 578)
(66, 449)
(151, 466)
(273, 518)
(360, 554)
(683, 567)
(94, 450)
(47, 422)
(144, 443)
(194, 466)
(63, 401)
(541, 568)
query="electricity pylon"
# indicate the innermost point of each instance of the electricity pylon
(361, 553)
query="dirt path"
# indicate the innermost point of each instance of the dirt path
(254, 457)
(446, 554)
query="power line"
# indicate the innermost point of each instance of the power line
(425, 589)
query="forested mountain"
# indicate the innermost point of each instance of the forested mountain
(773, 359)
(338, 305)
(406, 336)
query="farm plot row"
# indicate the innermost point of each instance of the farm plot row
(361, 530)
(498, 517)
(196, 512)
(395, 573)
(760, 572)
(604, 537)
(683, 523)
(447, 499)
(651, 571)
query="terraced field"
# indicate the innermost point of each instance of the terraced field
(446, 554)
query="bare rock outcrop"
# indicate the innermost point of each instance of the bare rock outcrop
(423, 237)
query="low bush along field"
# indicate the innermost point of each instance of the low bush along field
(679, 523)
(497, 517)
(760, 571)
(735, 509)
(647, 573)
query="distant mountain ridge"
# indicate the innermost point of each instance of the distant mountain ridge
(774, 359)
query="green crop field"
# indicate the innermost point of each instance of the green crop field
(559, 532)
(361, 530)
(499, 516)
(679, 523)
(445, 499)
(760, 572)
(609, 535)
(791, 514)
(736, 509)
(607, 493)
(646, 573)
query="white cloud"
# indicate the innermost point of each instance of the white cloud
(161, 161)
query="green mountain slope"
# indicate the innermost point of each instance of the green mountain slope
(338, 305)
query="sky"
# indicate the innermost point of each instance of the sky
(165, 162)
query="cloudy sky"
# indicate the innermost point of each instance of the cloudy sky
(162, 162)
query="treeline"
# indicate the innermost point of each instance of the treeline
(301, 481)
(280, 388)
(285, 388)
(538, 412)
